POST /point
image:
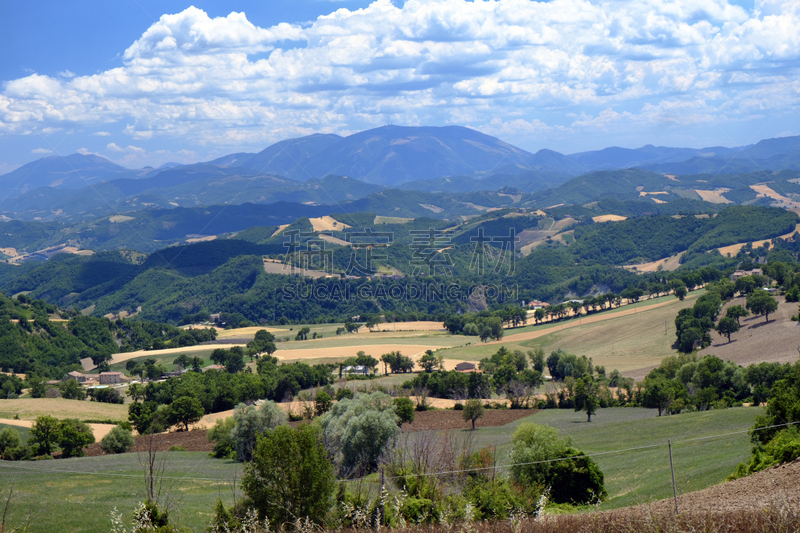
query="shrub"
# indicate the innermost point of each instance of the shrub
(220, 435)
(118, 440)
(404, 408)
(577, 479)
(9, 439)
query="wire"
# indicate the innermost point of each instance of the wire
(7, 464)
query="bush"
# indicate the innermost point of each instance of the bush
(220, 435)
(404, 408)
(9, 439)
(574, 480)
(118, 440)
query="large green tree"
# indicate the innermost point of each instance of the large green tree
(185, 410)
(45, 433)
(73, 436)
(761, 303)
(290, 476)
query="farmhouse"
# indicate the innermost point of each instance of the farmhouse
(111, 378)
(741, 273)
(78, 376)
(465, 367)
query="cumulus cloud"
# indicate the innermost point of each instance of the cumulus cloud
(515, 67)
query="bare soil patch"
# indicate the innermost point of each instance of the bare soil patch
(444, 420)
(193, 441)
(668, 263)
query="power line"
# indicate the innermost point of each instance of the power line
(16, 465)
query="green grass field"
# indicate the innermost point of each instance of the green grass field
(643, 475)
(78, 494)
(625, 342)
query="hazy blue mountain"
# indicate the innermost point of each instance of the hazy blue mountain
(782, 153)
(292, 157)
(67, 172)
(393, 155)
(615, 157)
(524, 181)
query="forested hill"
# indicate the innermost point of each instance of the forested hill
(39, 339)
(569, 256)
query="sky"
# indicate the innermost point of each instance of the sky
(146, 82)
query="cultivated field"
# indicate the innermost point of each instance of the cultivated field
(200, 351)
(30, 408)
(609, 218)
(715, 196)
(327, 223)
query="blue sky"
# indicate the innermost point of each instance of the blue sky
(144, 82)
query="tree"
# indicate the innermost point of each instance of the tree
(136, 391)
(263, 342)
(71, 390)
(679, 288)
(45, 433)
(358, 432)
(761, 303)
(302, 334)
(73, 436)
(727, 326)
(182, 361)
(185, 410)
(658, 394)
(586, 397)
(234, 360)
(290, 477)
(737, 311)
(118, 440)
(251, 421)
(473, 410)
(430, 361)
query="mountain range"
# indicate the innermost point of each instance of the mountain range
(329, 169)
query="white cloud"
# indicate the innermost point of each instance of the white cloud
(41, 151)
(100, 134)
(509, 67)
(66, 74)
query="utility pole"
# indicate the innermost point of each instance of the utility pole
(672, 469)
